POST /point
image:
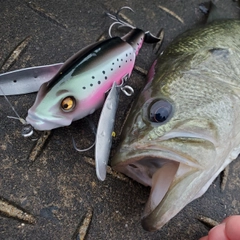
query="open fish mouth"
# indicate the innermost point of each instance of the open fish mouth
(158, 173)
(163, 171)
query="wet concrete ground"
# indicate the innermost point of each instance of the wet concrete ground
(60, 186)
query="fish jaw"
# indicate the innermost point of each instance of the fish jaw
(170, 173)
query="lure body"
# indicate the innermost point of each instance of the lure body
(104, 132)
(85, 78)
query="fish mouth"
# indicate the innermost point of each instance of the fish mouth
(163, 171)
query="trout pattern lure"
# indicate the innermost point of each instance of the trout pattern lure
(80, 85)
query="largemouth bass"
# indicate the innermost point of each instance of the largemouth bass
(184, 129)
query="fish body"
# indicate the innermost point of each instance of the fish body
(79, 87)
(184, 129)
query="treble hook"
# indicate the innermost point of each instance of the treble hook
(93, 128)
(117, 20)
(81, 150)
(110, 28)
(121, 21)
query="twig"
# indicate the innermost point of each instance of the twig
(225, 173)
(208, 221)
(15, 212)
(171, 13)
(14, 55)
(85, 225)
(39, 145)
(109, 170)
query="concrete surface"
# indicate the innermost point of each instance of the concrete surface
(59, 187)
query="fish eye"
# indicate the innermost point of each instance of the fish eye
(160, 111)
(68, 104)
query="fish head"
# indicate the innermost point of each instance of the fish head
(174, 139)
(57, 106)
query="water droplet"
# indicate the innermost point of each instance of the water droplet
(110, 106)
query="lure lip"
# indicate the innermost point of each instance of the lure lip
(27, 80)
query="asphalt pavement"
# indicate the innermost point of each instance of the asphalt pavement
(58, 188)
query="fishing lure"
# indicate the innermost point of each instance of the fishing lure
(80, 85)
(104, 131)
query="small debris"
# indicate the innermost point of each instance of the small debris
(171, 13)
(204, 7)
(117, 175)
(101, 37)
(85, 225)
(224, 174)
(126, 114)
(208, 221)
(14, 55)
(140, 70)
(109, 170)
(90, 161)
(9, 210)
(39, 145)
(157, 46)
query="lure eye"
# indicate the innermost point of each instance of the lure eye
(160, 111)
(68, 104)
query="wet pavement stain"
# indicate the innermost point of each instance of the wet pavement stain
(59, 187)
